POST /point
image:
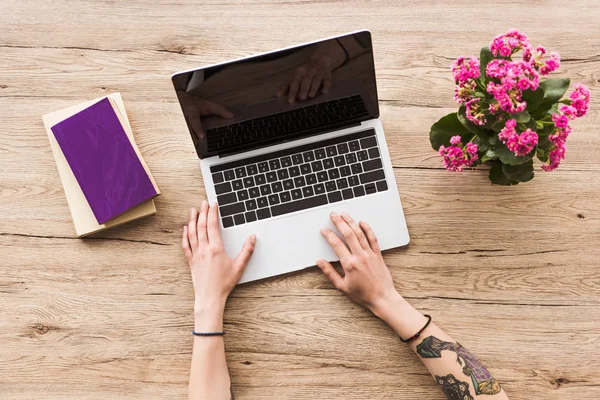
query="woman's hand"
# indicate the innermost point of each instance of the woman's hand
(367, 280)
(214, 274)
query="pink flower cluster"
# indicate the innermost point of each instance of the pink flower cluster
(455, 157)
(474, 112)
(537, 60)
(514, 76)
(520, 144)
(465, 71)
(508, 43)
(580, 99)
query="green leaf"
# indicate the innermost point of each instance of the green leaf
(533, 98)
(553, 89)
(489, 156)
(445, 128)
(522, 117)
(498, 126)
(542, 154)
(485, 56)
(522, 172)
(497, 176)
(508, 157)
(544, 143)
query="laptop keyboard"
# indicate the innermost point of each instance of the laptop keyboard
(299, 178)
(294, 121)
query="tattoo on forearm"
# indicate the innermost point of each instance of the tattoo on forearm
(453, 388)
(483, 381)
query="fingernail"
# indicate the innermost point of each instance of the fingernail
(319, 262)
(253, 238)
(323, 230)
(204, 203)
(345, 215)
(333, 215)
(192, 211)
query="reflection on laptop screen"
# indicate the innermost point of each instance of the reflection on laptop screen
(279, 96)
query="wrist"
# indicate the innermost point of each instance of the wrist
(208, 316)
(389, 305)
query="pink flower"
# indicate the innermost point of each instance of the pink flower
(569, 111)
(455, 158)
(560, 120)
(580, 99)
(464, 91)
(464, 69)
(515, 76)
(520, 144)
(474, 112)
(509, 43)
(537, 60)
(555, 157)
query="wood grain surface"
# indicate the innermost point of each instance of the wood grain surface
(512, 273)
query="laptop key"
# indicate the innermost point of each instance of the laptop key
(231, 209)
(356, 168)
(286, 161)
(297, 159)
(274, 164)
(277, 187)
(353, 180)
(227, 222)
(225, 199)
(342, 148)
(342, 183)
(372, 176)
(330, 186)
(250, 216)
(370, 188)
(328, 163)
(322, 176)
(282, 174)
(311, 179)
(254, 192)
(308, 191)
(381, 186)
(358, 191)
(368, 142)
(353, 145)
(296, 194)
(263, 213)
(260, 179)
(309, 156)
(262, 202)
(218, 177)
(263, 167)
(299, 205)
(252, 169)
(362, 155)
(320, 154)
(251, 205)
(350, 158)
(319, 188)
(334, 196)
(372, 164)
(239, 219)
(265, 190)
(333, 173)
(299, 181)
(243, 195)
(317, 166)
(373, 152)
(248, 182)
(285, 197)
(331, 151)
(240, 172)
(305, 169)
(271, 176)
(229, 175)
(339, 161)
(273, 199)
(347, 194)
(223, 188)
(237, 184)
(294, 171)
(345, 171)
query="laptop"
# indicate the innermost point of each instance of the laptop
(285, 138)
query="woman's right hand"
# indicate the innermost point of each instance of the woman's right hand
(367, 280)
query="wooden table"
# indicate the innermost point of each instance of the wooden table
(512, 273)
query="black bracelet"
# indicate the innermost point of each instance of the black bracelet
(208, 333)
(416, 335)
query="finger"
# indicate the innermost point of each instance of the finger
(336, 244)
(327, 84)
(214, 234)
(330, 272)
(242, 259)
(202, 217)
(283, 89)
(314, 87)
(373, 242)
(295, 85)
(185, 244)
(347, 232)
(192, 229)
(217, 109)
(360, 235)
(305, 85)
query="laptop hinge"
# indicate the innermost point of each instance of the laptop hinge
(343, 125)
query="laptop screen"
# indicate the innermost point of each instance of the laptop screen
(279, 96)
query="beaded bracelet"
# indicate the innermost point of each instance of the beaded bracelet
(208, 333)
(416, 335)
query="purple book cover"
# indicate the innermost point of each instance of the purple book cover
(103, 161)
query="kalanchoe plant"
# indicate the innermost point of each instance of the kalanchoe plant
(507, 115)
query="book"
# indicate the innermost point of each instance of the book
(84, 218)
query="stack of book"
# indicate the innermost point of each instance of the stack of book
(106, 181)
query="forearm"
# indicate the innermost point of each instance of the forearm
(454, 369)
(209, 377)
